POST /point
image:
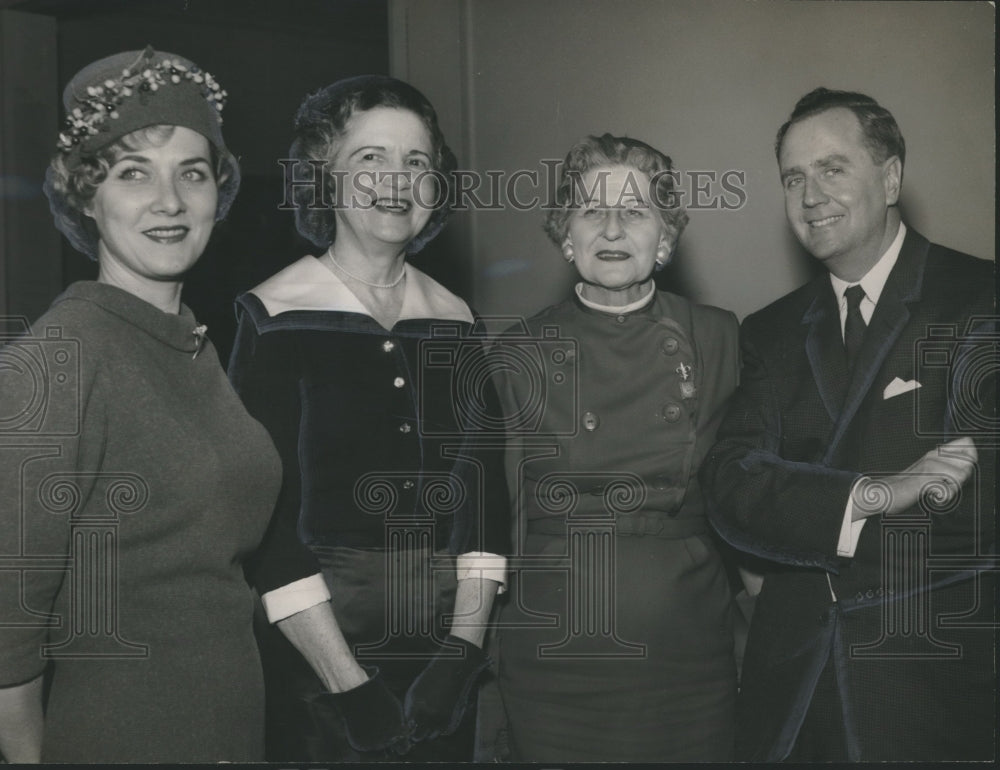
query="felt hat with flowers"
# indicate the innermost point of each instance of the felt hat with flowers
(127, 91)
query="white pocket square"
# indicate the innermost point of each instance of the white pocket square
(897, 386)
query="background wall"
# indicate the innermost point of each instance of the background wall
(708, 82)
(29, 246)
(515, 82)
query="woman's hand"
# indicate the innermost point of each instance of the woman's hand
(436, 701)
(372, 716)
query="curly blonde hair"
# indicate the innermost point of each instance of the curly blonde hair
(71, 187)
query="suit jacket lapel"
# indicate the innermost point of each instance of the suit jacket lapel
(825, 346)
(891, 315)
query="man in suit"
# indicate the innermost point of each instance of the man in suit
(857, 458)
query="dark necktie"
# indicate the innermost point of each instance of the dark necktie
(854, 326)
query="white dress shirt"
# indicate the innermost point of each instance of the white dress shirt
(872, 282)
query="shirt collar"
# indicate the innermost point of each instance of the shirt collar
(619, 309)
(874, 280)
(308, 285)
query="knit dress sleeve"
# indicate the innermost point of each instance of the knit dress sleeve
(263, 372)
(51, 437)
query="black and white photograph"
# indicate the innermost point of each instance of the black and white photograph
(498, 381)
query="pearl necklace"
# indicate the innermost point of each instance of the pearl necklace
(359, 279)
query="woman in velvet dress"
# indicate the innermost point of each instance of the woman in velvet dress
(134, 482)
(350, 359)
(620, 644)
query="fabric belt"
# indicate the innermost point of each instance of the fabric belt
(655, 525)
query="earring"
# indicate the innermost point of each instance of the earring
(662, 257)
(567, 249)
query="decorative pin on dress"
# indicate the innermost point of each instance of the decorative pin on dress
(199, 334)
(687, 384)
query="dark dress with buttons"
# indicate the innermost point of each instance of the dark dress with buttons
(385, 483)
(617, 641)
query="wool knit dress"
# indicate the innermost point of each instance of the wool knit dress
(134, 485)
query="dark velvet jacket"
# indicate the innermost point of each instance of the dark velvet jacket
(378, 430)
(912, 659)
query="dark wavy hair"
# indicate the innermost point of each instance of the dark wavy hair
(607, 150)
(881, 133)
(319, 127)
(70, 188)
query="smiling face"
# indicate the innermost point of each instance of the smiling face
(155, 211)
(838, 200)
(614, 234)
(385, 192)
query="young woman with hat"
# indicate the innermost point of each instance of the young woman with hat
(135, 481)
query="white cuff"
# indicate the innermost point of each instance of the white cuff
(487, 566)
(296, 596)
(850, 531)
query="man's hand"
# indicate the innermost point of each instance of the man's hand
(938, 476)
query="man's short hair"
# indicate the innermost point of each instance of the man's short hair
(881, 133)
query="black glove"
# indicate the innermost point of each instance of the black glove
(372, 716)
(437, 698)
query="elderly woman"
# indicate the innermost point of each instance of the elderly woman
(388, 509)
(138, 484)
(620, 644)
